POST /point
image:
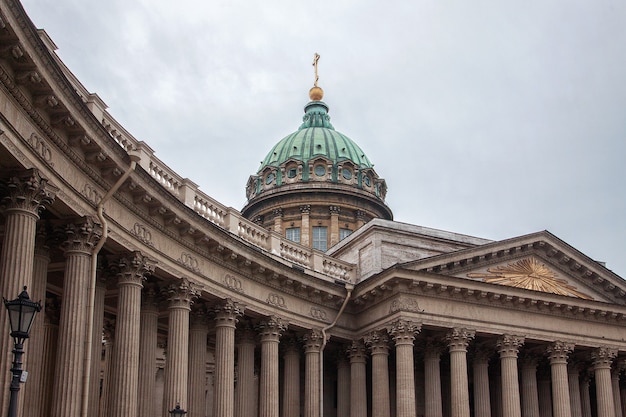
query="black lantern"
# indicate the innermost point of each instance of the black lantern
(177, 411)
(21, 315)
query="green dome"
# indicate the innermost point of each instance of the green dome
(315, 138)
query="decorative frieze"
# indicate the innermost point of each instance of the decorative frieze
(91, 193)
(405, 304)
(276, 300)
(189, 261)
(41, 147)
(318, 313)
(142, 233)
(233, 283)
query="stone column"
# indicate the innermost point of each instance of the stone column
(530, 396)
(508, 347)
(573, 371)
(558, 353)
(305, 232)
(617, 399)
(544, 388)
(105, 396)
(403, 334)
(432, 379)
(278, 220)
(585, 400)
(378, 342)
(343, 386)
(125, 377)
(482, 402)
(244, 394)
(458, 339)
(602, 359)
(181, 296)
(291, 382)
(148, 328)
(334, 224)
(25, 193)
(68, 390)
(225, 321)
(198, 333)
(312, 346)
(270, 331)
(102, 280)
(358, 378)
(36, 342)
(51, 334)
(361, 218)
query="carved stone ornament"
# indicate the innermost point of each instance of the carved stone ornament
(530, 274)
(276, 300)
(405, 304)
(27, 190)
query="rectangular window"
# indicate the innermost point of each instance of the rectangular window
(320, 240)
(293, 234)
(344, 233)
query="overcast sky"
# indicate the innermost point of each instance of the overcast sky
(489, 118)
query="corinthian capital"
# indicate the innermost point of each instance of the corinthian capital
(28, 191)
(183, 293)
(134, 268)
(403, 331)
(80, 235)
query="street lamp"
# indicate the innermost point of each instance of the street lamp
(177, 411)
(21, 315)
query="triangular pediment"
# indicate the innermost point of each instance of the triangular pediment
(539, 262)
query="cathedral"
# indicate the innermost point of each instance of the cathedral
(311, 301)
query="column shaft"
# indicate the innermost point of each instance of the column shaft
(125, 377)
(69, 371)
(458, 340)
(378, 343)
(432, 381)
(482, 402)
(617, 399)
(148, 327)
(343, 387)
(312, 347)
(270, 331)
(358, 377)
(291, 383)
(181, 296)
(245, 376)
(51, 335)
(585, 399)
(574, 391)
(198, 333)
(508, 347)
(225, 322)
(403, 333)
(558, 352)
(96, 348)
(530, 397)
(602, 359)
(35, 353)
(26, 193)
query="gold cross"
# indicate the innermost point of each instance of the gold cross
(316, 58)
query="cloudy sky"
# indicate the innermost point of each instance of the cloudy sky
(489, 118)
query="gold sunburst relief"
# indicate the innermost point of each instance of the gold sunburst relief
(529, 274)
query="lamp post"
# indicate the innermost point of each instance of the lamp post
(177, 411)
(21, 315)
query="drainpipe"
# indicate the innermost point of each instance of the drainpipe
(134, 158)
(349, 288)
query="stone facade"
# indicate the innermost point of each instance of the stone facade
(156, 294)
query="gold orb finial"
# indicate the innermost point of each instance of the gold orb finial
(316, 93)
